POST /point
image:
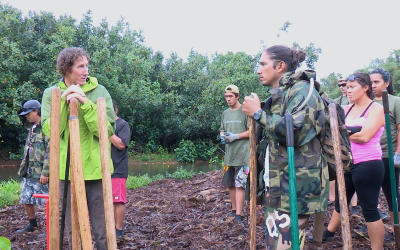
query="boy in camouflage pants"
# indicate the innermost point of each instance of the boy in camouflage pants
(34, 169)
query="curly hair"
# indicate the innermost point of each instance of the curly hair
(67, 58)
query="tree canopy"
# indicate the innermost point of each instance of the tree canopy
(166, 100)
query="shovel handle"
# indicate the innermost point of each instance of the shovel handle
(294, 217)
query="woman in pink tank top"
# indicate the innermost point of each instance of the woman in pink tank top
(365, 123)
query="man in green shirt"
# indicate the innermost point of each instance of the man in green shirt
(235, 135)
(342, 100)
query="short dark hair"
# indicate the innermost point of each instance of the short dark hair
(115, 104)
(364, 80)
(292, 57)
(386, 78)
(67, 58)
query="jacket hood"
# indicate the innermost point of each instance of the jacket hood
(291, 77)
(91, 83)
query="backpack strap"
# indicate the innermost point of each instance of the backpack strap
(365, 111)
(340, 100)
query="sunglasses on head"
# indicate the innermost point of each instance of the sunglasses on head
(352, 78)
(342, 84)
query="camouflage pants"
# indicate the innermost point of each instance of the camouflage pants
(235, 176)
(32, 186)
(278, 234)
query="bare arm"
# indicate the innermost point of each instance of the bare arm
(398, 139)
(375, 120)
(117, 142)
(244, 135)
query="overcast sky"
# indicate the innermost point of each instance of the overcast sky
(350, 33)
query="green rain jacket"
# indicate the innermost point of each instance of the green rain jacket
(308, 123)
(89, 133)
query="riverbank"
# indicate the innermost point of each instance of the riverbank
(180, 214)
(132, 160)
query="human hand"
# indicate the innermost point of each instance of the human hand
(43, 179)
(251, 104)
(80, 98)
(396, 160)
(74, 89)
(230, 137)
(222, 137)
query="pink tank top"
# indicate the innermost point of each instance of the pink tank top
(368, 151)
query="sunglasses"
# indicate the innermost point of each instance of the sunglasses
(342, 85)
(352, 78)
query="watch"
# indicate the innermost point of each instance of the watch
(257, 115)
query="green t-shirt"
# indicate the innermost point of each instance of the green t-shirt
(237, 152)
(394, 114)
(342, 100)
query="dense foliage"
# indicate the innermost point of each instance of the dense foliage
(165, 100)
(169, 102)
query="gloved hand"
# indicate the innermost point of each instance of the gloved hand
(353, 130)
(222, 138)
(229, 137)
(396, 160)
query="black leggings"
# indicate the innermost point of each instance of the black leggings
(365, 178)
(386, 188)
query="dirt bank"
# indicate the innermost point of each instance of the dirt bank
(177, 214)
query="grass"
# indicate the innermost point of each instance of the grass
(154, 157)
(143, 180)
(10, 190)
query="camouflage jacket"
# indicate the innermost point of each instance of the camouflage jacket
(308, 123)
(37, 162)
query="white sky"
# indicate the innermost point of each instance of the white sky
(350, 33)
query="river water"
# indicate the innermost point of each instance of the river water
(134, 169)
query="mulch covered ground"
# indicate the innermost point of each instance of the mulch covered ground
(178, 214)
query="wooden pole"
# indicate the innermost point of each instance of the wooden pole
(76, 239)
(106, 175)
(77, 173)
(344, 212)
(253, 183)
(54, 170)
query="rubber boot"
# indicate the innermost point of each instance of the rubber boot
(30, 227)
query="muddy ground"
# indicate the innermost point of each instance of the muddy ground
(178, 214)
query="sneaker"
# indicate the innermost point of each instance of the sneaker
(232, 214)
(354, 210)
(238, 219)
(363, 229)
(119, 233)
(28, 228)
(324, 239)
